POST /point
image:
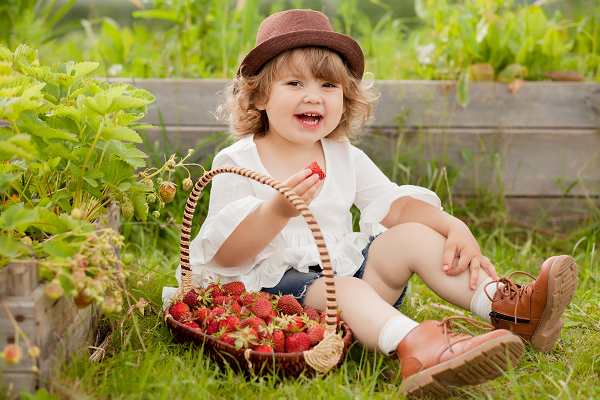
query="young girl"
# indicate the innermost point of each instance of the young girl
(298, 98)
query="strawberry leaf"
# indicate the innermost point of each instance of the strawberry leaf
(128, 153)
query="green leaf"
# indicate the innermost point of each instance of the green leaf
(462, 91)
(57, 247)
(552, 45)
(140, 206)
(511, 72)
(466, 154)
(121, 133)
(60, 151)
(20, 146)
(18, 219)
(11, 248)
(170, 15)
(5, 54)
(6, 179)
(30, 123)
(116, 171)
(128, 153)
(536, 22)
(127, 103)
(90, 177)
(84, 68)
(50, 223)
(67, 111)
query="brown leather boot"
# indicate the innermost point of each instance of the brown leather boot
(533, 311)
(436, 360)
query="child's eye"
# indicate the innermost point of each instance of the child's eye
(329, 85)
(294, 83)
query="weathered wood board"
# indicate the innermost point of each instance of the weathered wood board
(58, 328)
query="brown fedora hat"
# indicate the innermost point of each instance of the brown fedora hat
(291, 29)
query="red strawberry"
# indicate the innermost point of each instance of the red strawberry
(294, 325)
(235, 308)
(264, 349)
(248, 298)
(236, 298)
(315, 333)
(266, 295)
(201, 314)
(214, 290)
(212, 326)
(298, 342)
(227, 339)
(246, 338)
(191, 297)
(254, 322)
(288, 305)
(178, 310)
(222, 301)
(234, 288)
(217, 312)
(261, 307)
(311, 313)
(314, 167)
(186, 317)
(193, 325)
(229, 323)
(278, 341)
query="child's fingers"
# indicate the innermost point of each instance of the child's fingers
(297, 178)
(310, 194)
(448, 257)
(487, 265)
(474, 267)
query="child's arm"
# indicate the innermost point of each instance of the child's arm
(259, 229)
(460, 243)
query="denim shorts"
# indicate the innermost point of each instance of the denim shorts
(295, 282)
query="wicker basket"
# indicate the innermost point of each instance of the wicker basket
(321, 359)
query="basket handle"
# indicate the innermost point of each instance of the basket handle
(186, 271)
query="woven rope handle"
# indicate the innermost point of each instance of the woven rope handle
(186, 226)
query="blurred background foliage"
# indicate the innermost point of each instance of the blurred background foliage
(420, 39)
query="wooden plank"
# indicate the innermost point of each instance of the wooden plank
(536, 105)
(190, 102)
(18, 279)
(531, 162)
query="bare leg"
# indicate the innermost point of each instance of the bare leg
(411, 248)
(361, 307)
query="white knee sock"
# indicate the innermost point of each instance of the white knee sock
(393, 332)
(481, 305)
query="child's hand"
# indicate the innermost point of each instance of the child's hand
(304, 187)
(462, 245)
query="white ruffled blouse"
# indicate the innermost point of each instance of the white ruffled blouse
(352, 178)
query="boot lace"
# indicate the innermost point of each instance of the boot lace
(448, 322)
(511, 289)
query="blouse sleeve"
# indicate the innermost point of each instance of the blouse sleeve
(232, 199)
(375, 193)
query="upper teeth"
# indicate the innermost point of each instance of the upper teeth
(313, 115)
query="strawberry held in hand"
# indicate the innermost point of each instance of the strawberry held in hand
(314, 167)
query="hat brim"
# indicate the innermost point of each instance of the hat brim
(348, 48)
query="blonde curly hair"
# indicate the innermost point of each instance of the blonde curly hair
(244, 119)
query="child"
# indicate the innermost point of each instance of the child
(298, 98)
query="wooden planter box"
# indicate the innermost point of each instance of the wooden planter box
(56, 327)
(539, 148)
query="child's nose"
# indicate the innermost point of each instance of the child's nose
(313, 98)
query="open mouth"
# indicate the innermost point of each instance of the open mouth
(310, 119)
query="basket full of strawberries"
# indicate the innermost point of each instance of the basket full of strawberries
(251, 331)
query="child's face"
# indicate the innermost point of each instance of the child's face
(301, 108)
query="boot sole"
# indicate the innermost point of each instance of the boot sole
(479, 365)
(562, 284)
